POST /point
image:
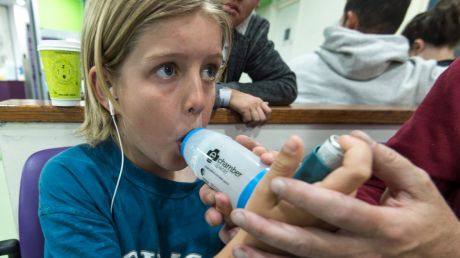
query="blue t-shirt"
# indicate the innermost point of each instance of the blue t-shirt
(152, 217)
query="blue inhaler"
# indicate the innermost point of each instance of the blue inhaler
(321, 161)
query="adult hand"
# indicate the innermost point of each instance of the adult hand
(253, 110)
(354, 171)
(412, 221)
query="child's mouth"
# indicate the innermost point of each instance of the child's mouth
(231, 9)
(179, 142)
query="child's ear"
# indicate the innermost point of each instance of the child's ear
(418, 46)
(97, 91)
(350, 20)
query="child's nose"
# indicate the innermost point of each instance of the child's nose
(195, 95)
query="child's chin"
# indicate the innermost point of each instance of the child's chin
(179, 164)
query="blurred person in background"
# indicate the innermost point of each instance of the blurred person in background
(362, 62)
(435, 34)
(251, 52)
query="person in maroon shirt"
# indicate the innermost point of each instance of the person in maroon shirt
(431, 140)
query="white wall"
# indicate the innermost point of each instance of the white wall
(7, 57)
(13, 39)
(21, 19)
(307, 19)
(416, 6)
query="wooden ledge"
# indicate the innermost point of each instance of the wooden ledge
(31, 110)
(43, 111)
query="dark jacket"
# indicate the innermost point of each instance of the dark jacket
(252, 53)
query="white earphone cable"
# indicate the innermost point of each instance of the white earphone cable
(121, 166)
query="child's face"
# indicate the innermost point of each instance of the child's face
(166, 88)
(239, 10)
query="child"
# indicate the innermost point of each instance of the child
(251, 52)
(149, 68)
(434, 34)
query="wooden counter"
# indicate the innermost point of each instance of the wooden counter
(42, 111)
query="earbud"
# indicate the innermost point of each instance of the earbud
(111, 110)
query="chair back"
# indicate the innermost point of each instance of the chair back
(31, 239)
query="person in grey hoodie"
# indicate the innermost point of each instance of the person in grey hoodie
(363, 62)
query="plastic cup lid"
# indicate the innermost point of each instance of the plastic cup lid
(59, 45)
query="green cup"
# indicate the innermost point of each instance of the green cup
(61, 65)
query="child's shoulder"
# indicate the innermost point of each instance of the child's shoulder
(76, 155)
(257, 27)
(75, 182)
(80, 161)
(257, 20)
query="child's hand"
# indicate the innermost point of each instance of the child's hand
(221, 207)
(253, 110)
(219, 212)
(266, 156)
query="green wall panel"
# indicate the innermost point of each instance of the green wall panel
(65, 15)
(264, 3)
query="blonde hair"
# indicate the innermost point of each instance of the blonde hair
(111, 29)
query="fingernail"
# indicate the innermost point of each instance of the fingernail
(239, 253)
(278, 185)
(210, 198)
(373, 143)
(290, 146)
(208, 220)
(347, 137)
(364, 136)
(232, 232)
(238, 218)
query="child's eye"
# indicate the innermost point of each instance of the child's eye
(166, 71)
(209, 73)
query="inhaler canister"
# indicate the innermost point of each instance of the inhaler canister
(223, 164)
(320, 161)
